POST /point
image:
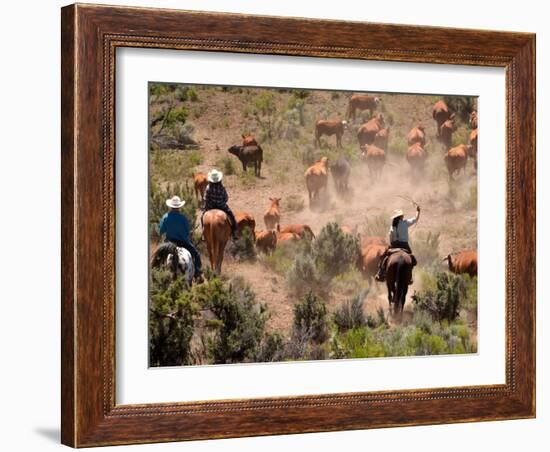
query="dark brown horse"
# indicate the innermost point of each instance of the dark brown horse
(398, 274)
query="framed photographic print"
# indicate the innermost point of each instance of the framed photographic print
(280, 225)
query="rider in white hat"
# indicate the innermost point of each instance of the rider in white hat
(398, 237)
(215, 197)
(175, 226)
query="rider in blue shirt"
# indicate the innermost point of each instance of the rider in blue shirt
(175, 227)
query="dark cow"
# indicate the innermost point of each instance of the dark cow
(340, 174)
(367, 132)
(362, 102)
(249, 155)
(330, 127)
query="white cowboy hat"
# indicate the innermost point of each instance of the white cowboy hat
(175, 202)
(215, 176)
(396, 213)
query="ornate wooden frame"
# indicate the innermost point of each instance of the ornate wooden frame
(90, 35)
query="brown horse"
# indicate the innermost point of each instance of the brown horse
(398, 274)
(216, 231)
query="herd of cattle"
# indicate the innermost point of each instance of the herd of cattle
(373, 143)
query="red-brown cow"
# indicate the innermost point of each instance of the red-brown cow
(375, 158)
(245, 221)
(416, 157)
(200, 182)
(463, 262)
(316, 179)
(249, 140)
(370, 259)
(440, 113)
(417, 135)
(303, 230)
(367, 132)
(381, 138)
(473, 142)
(456, 159)
(330, 127)
(446, 132)
(473, 119)
(362, 102)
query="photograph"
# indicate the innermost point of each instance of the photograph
(291, 224)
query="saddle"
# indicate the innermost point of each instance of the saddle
(397, 250)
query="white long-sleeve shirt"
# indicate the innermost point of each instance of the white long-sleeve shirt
(401, 232)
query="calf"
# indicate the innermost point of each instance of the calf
(200, 181)
(362, 102)
(367, 132)
(340, 174)
(272, 216)
(456, 158)
(463, 262)
(266, 241)
(303, 230)
(249, 155)
(330, 127)
(286, 237)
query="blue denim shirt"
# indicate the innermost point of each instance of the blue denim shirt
(175, 225)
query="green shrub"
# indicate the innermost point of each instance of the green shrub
(303, 276)
(172, 313)
(334, 252)
(349, 315)
(310, 316)
(443, 302)
(244, 248)
(461, 105)
(240, 320)
(227, 165)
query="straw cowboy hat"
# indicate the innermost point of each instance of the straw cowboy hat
(397, 213)
(215, 176)
(175, 202)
